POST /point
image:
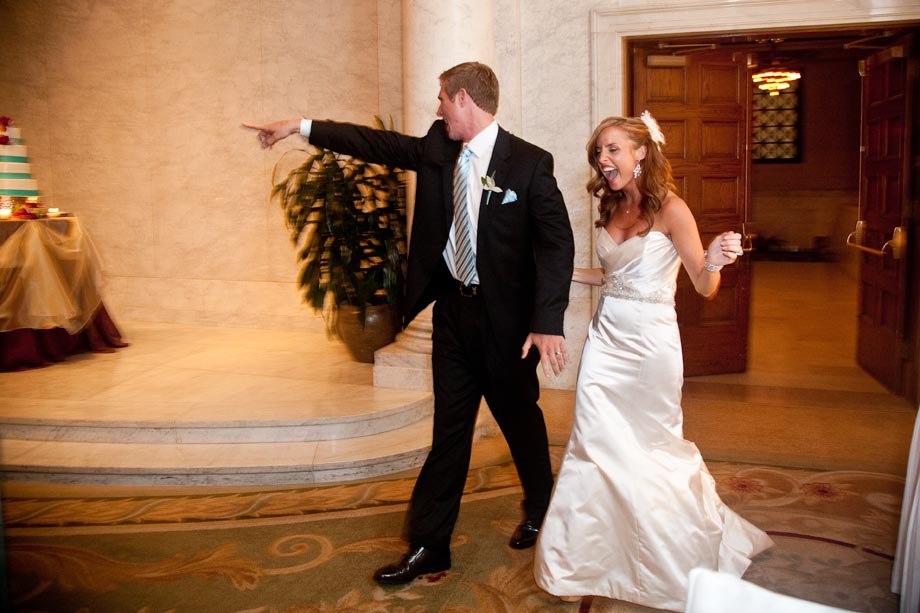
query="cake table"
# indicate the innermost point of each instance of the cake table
(50, 294)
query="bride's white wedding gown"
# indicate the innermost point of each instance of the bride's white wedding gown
(634, 508)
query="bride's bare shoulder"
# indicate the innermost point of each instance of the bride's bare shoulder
(673, 210)
(672, 203)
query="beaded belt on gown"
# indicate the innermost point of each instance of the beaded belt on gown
(615, 287)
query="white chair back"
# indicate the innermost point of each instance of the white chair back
(905, 575)
(713, 592)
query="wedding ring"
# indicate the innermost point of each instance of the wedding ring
(740, 252)
(558, 353)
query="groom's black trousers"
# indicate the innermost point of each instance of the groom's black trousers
(471, 360)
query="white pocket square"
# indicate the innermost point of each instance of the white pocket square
(510, 197)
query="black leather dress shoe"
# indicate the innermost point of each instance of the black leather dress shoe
(419, 561)
(525, 535)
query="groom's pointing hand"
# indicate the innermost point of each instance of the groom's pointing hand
(271, 133)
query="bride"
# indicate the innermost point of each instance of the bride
(634, 508)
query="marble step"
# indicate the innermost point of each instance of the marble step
(334, 412)
(237, 464)
(394, 367)
(200, 405)
(406, 364)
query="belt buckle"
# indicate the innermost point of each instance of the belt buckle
(468, 291)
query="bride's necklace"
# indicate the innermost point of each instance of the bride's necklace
(624, 219)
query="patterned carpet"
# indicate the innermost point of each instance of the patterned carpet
(314, 549)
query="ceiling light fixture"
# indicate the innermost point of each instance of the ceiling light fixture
(775, 78)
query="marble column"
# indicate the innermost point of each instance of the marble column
(436, 36)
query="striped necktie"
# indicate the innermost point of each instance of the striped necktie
(464, 258)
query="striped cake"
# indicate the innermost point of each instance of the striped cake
(15, 171)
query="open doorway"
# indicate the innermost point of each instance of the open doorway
(800, 210)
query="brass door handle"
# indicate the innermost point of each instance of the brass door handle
(896, 245)
(747, 240)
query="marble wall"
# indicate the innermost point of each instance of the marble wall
(132, 110)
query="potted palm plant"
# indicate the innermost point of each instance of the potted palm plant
(348, 222)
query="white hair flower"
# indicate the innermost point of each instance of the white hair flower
(653, 130)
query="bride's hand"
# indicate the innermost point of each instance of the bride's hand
(724, 249)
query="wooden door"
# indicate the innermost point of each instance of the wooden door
(702, 102)
(884, 346)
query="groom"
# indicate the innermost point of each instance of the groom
(492, 247)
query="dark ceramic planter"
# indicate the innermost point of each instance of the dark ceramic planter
(381, 325)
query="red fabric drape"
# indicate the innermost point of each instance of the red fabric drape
(27, 348)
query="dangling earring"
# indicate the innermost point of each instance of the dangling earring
(637, 171)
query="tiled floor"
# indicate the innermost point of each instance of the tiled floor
(803, 329)
(216, 401)
(803, 400)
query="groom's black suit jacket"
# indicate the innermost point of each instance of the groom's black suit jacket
(525, 249)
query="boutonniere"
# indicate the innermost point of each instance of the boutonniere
(488, 184)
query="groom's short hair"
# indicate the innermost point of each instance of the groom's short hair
(479, 82)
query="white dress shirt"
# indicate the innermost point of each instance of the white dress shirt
(482, 146)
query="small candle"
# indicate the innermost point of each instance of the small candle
(53, 212)
(5, 213)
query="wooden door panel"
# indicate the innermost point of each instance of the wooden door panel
(719, 84)
(720, 196)
(700, 102)
(665, 80)
(676, 132)
(887, 107)
(720, 141)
